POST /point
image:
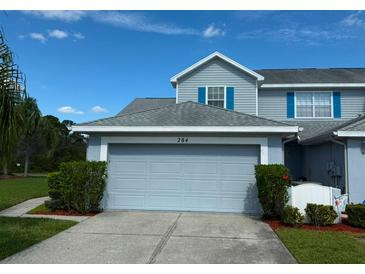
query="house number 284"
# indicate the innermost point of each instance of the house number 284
(182, 140)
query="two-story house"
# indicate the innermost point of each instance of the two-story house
(197, 151)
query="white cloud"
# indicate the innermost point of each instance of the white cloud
(98, 109)
(63, 15)
(353, 20)
(139, 22)
(38, 36)
(58, 34)
(212, 31)
(79, 36)
(69, 110)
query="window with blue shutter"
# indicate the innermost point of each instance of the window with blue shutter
(230, 98)
(290, 104)
(336, 105)
(201, 95)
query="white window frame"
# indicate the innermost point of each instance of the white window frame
(217, 86)
(313, 107)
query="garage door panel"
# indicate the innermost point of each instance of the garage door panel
(182, 177)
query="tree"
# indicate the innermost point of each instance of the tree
(29, 115)
(12, 92)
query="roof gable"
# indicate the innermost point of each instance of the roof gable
(210, 57)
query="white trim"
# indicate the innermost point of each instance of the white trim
(222, 129)
(261, 141)
(174, 78)
(326, 85)
(177, 93)
(313, 106)
(257, 99)
(349, 133)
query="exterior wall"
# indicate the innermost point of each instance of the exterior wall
(93, 148)
(275, 150)
(272, 103)
(317, 160)
(219, 73)
(356, 171)
(294, 159)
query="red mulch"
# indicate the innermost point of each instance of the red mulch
(276, 224)
(64, 213)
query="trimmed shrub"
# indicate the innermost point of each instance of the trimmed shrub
(320, 215)
(356, 215)
(54, 185)
(83, 184)
(78, 186)
(54, 204)
(292, 216)
(272, 184)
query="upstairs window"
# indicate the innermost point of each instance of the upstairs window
(216, 96)
(313, 104)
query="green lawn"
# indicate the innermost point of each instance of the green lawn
(41, 207)
(323, 247)
(14, 191)
(18, 233)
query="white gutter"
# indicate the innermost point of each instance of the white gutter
(213, 129)
(348, 133)
(314, 85)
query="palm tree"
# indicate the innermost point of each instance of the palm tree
(29, 115)
(12, 91)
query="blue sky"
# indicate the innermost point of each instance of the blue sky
(88, 65)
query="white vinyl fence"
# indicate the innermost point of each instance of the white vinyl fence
(301, 195)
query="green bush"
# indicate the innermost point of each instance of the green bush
(54, 204)
(54, 185)
(320, 215)
(272, 184)
(356, 215)
(78, 185)
(292, 216)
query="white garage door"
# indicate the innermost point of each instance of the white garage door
(213, 178)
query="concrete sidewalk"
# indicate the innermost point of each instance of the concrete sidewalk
(20, 210)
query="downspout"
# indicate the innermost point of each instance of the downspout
(346, 163)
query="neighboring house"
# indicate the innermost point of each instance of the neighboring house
(197, 151)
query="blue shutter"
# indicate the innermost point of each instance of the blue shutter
(290, 104)
(337, 105)
(201, 95)
(230, 98)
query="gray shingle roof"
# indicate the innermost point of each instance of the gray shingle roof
(321, 131)
(313, 75)
(141, 104)
(185, 114)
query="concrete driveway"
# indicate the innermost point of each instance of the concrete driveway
(160, 237)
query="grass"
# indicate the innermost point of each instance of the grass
(15, 191)
(41, 207)
(18, 233)
(323, 247)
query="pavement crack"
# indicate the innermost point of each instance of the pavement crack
(161, 244)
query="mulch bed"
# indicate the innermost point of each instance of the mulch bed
(276, 224)
(64, 213)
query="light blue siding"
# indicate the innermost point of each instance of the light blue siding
(93, 148)
(356, 164)
(273, 103)
(275, 150)
(220, 73)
